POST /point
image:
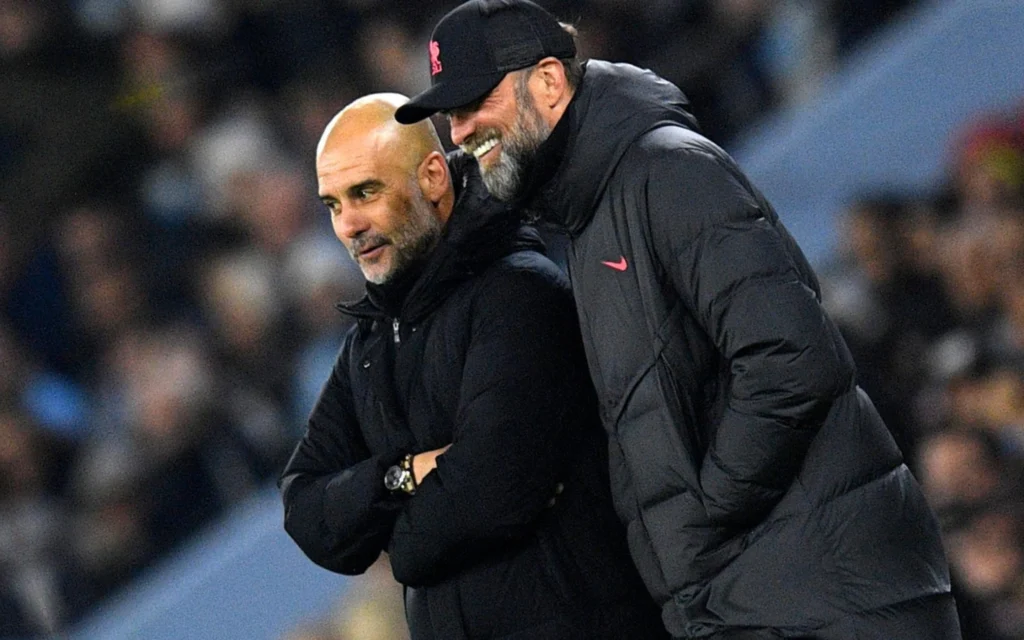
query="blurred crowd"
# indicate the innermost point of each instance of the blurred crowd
(168, 276)
(929, 293)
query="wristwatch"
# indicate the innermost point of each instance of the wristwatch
(399, 477)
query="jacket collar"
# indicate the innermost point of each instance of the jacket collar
(614, 105)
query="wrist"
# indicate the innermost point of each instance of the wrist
(400, 476)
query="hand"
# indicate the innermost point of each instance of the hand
(424, 463)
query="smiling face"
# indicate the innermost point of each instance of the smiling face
(378, 208)
(503, 131)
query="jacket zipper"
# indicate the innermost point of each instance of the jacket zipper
(394, 327)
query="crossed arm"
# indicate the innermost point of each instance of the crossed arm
(336, 507)
(520, 398)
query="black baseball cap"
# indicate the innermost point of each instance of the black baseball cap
(476, 44)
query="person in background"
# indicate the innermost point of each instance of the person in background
(458, 431)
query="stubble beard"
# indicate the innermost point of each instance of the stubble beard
(410, 243)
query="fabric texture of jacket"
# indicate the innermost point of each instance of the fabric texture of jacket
(483, 353)
(760, 488)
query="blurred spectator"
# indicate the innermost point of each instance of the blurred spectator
(961, 471)
(888, 304)
(989, 162)
(988, 559)
(167, 458)
(38, 578)
(244, 305)
(317, 275)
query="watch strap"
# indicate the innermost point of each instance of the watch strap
(409, 485)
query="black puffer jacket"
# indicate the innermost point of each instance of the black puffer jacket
(484, 353)
(760, 487)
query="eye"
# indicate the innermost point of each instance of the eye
(466, 110)
(364, 191)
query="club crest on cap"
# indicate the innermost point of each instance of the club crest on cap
(435, 58)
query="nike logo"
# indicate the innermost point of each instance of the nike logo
(618, 266)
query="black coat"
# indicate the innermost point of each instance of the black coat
(759, 485)
(484, 353)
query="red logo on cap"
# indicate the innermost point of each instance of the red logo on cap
(435, 58)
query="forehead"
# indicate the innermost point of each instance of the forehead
(351, 159)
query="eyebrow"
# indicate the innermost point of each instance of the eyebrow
(371, 183)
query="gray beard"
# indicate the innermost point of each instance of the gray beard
(505, 179)
(410, 253)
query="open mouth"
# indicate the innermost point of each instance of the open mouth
(485, 147)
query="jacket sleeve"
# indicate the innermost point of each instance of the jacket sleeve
(336, 507)
(494, 481)
(748, 287)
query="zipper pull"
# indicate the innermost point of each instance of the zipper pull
(394, 326)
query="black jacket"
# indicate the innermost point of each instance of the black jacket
(484, 353)
(759, 485)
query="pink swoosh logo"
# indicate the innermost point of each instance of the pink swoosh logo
(618, 266)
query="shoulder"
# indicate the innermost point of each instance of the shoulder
(530, 267)
(676, 149)
(523, 279)
(685, 178)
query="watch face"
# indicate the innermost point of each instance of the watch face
(394, 478)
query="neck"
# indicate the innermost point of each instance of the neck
(545, 165)
(389, 296)
(446, 204)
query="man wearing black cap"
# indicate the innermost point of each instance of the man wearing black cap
(764, 497)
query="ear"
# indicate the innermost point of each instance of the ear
(432, 175)
(549, 84)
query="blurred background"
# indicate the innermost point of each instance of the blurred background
(168, 276)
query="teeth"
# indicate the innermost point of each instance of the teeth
(484, 147)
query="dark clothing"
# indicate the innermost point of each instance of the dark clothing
(484, 353)
(759, 486)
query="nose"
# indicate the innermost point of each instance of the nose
(462, 126)
(349, 224)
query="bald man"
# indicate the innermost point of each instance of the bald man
(458, 430)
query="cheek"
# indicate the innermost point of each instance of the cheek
(396, 215)
(336, 227)
(503, 125)
(509, 116)
(496, 120)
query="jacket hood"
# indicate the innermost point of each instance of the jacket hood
(615, 104)
(480, 230)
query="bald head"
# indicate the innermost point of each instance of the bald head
(372, 118)
(386, 184)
